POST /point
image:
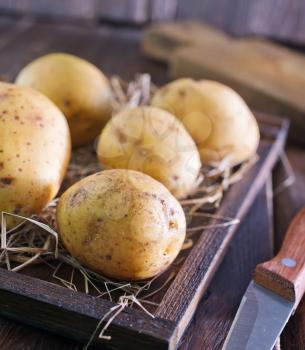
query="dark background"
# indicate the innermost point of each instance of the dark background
(279, 19)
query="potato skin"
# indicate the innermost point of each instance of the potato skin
(152, 141)
(122, 224)
(217, 118)
(77, 87)
(35, 149)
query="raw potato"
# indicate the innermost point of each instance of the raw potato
(217, 118)
(34, 150)
(122, 224)
(77, 87)
(153, 141)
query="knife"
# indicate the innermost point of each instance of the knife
(273, 294)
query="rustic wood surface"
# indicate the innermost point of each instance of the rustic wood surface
(76, 315)
(59, 8)
(119, 11)
(22, 41)
(285, 279)
(217, 310)
(286, 204)
(277, 19)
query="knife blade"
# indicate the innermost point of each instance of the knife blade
(273, 295)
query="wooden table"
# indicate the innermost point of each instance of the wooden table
(116, 51)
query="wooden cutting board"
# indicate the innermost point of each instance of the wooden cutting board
(268, 76)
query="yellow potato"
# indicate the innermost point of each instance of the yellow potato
(122, 224)
(34, 150)
(217, 118)
(77, 87)
(153, 141)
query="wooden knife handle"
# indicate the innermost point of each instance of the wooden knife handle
(285, 273)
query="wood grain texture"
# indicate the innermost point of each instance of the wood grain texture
(286, 204)
(285, 273)
(160, 40)
(17, 336)
(60, 8)
(231, 16)
(217, 309)
(11, 31)
(293, 337)
(268, 77)
(103, 46)
(162, 10)
(75, 315)
(136, 11)
(123, 10)
(292, 198)
(277, 19)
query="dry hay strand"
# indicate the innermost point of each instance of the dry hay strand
(26, 242)
(135, 93)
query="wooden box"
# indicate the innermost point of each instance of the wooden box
(37, 301)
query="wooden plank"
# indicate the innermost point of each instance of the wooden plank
(17, 336)
(10, 64)
(123, 10)
(55, 8)
(159, 41)
(293, 337)
(46, 38)
(11, 30)
(217, 309)
(75, 315)
(278, 19)
(161, 10)
(268, 77)
(229, 15)
(292, 198)
(136, 11)
(286, 204)
(6, 22)
(126, 11)
(103, 46)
